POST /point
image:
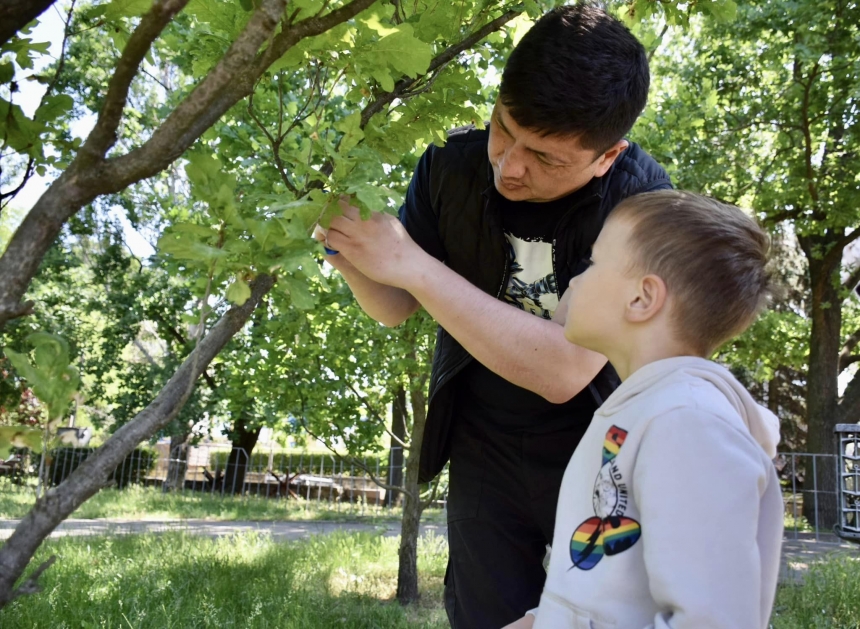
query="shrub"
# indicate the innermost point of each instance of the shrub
(303, 462)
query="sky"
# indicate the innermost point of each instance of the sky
(50, 29)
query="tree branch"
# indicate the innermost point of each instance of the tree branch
(846, 362)
(16, 14)
(31, 162)
(353, 461)
(402, 86)
(376, 415)
(58, 503)
(849, 407)
(309, 27)
(103, 136)
(849, 238)
(659, 41)
(31, 585)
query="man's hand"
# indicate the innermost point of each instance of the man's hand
(390, 275)
(379, 247)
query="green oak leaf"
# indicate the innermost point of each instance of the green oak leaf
(238, 292)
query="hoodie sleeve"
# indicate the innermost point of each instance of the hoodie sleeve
(698, 483)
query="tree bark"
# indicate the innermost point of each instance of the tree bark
(177, 463)
(395, 456)
(244, 439)
(822, 393)
(407, 571)
(16, 14)
(91, 175)
(58, 503)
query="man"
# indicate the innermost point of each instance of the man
(502, 218)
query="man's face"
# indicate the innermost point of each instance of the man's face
(531, 167)
(599, 296)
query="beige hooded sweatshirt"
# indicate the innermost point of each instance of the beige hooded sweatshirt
(670, 513)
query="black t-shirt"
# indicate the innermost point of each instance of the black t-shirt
(487, 399)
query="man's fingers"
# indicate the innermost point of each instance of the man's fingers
(319, 233)
(349, 211)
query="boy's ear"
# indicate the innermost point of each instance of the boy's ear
(648, 301)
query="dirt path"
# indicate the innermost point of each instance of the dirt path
(279, 530)
(798, 551)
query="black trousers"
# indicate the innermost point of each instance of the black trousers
(501, 514)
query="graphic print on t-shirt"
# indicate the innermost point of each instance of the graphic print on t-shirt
(532, 285)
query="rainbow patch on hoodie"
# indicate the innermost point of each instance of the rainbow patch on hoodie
(595, 538)
(613, 534)
(612, 443)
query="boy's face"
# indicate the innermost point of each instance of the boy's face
(599, 296)
(530, 167)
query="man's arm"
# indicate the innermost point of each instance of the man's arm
(389, 305)
(520, 347)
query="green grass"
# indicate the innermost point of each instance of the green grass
(148, 503)
(177, 581)
(827, 598)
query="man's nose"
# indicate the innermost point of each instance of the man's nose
(512, 165)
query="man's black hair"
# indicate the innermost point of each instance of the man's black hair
(579, 72)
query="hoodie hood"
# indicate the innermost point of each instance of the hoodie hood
(762, 424)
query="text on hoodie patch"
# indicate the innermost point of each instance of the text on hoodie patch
(609, 532)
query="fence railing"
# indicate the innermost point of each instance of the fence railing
(809, 481)
(810, 494)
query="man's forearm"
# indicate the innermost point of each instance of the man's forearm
(389, 305)
(522, 348)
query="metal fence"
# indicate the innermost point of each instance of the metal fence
(810, 481)
(810, 494)
(321, 477)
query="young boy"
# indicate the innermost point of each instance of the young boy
(670, 512)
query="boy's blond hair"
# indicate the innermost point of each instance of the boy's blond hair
(712, 257)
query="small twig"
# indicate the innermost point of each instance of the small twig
(31, 585)
(659, 41)
(352, 460)
(376, 415)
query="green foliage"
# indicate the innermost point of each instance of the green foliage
(19, 437)
(304, 463)
(49, 374)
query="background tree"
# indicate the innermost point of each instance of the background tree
(767, 112)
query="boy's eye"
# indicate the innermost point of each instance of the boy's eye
(589, 261)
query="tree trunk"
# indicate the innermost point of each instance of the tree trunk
(58, 503)
(395, 456)
(407, 571)
(244, 440)
(822, 393)
(177, 463)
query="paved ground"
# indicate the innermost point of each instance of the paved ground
(799, 551)
(280, 531)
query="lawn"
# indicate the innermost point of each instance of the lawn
(148, 503)
(176, 580)
(247, 581)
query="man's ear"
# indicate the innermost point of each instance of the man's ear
(605, 161)
(648, 301)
